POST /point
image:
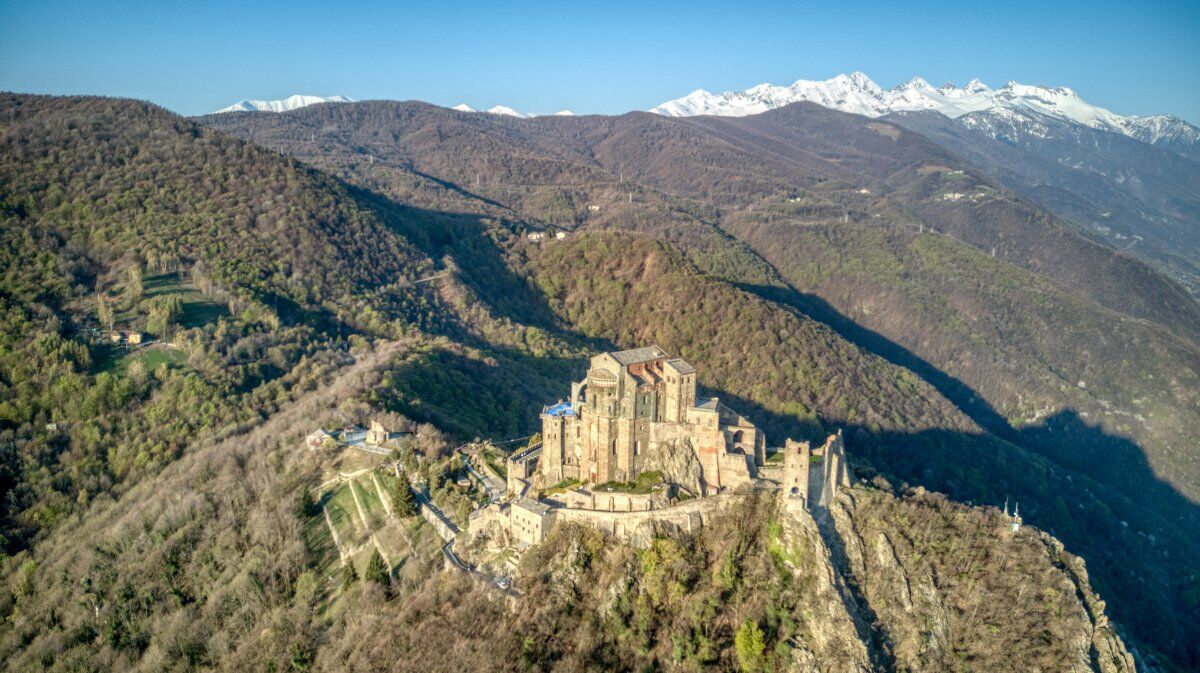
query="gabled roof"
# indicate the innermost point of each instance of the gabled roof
(710, 404)
(636, 355)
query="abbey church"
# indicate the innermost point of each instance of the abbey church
(633, 406)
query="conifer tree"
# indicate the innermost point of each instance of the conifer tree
(376, 570)
(306, 504)
(403, 502)
(349, 576)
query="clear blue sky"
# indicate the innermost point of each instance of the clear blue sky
(605, 57)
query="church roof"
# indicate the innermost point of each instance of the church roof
(709, 405)
(636, 355)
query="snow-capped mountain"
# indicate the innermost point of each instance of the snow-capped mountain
(509, 112)
(856, 93)
(290, 103)
(504, 110)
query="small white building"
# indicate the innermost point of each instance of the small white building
(535, 236)
(318, 439)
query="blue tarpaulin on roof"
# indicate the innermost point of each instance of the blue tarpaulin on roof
(561, 409)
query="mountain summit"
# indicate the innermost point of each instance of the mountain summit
(858, 94)
(293, 102)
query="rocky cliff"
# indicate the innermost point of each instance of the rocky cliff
(909, 582)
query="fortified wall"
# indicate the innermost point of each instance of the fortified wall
(639, 527)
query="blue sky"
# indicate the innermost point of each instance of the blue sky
(604, 57)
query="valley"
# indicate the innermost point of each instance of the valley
(824, 274)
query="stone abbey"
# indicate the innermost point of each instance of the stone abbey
(634, 411)
(636, 414)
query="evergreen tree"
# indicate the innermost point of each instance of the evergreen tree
(349, 576)
(307, 506)
(377, 570)
(104, 312)
(403, 502)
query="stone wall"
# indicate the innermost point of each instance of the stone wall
(582, 498)
(639, 527)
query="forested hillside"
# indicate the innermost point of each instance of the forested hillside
(802, 162)
(153, 507)
(115, 212)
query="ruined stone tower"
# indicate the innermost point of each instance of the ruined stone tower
(814, 476)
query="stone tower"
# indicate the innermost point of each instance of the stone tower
(795, 469)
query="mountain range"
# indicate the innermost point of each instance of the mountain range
(858, 94)
(1132, 182)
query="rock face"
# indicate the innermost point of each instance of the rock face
(946, 585)
(874, 582)
(677, 461)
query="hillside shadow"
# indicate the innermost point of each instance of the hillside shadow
(962, 395)
(1065, 438)
(471, 242)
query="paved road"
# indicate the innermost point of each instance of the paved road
(502, 583)
(496, 489)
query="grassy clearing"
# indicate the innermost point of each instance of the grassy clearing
(562, 486)
(320, 543)
(198, 309)
(344, 515)
(644, 483)
(117, 360)
(372, 507)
